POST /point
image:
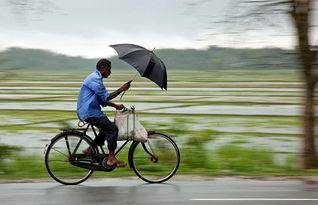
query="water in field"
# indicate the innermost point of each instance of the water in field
(235, 110)
(71, 106)
(250, 113)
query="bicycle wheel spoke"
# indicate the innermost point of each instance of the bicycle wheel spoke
(59, 152)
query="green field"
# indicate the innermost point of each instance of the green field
(228, 122)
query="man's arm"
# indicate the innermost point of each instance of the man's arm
(116, 106)
(119, 90)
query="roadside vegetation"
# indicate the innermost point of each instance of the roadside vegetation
(211, 143)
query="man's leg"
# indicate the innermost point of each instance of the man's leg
(109, 131)
(97, 122)
(111, 134)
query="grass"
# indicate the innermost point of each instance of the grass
(226, 160)
(237, 160)
(239, 141)
(224, 75)
(191, 131)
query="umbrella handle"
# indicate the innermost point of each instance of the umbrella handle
(125, 90)
(122, 95)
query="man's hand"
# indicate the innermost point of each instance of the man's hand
(119, 106)
(114, 94)
(126, 86)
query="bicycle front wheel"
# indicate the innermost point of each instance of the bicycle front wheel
(156, 160)
(59, 156)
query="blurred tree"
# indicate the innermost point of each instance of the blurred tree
(300, 12)
(27, 8)
(255, 15)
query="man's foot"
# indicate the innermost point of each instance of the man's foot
(121, 163)
(116, 162)
(88, 151)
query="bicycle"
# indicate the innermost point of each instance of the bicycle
(154, 161)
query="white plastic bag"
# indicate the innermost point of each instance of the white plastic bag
(129, 127)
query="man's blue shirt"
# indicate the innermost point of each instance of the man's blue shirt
(92, 96)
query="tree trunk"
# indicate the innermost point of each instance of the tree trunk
(309, 157)
(300, 14)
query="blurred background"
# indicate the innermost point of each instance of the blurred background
(241, 79)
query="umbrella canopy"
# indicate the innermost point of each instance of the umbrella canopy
(145, 62)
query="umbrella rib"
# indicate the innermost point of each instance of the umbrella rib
(130, 53)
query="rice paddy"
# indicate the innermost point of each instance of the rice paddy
(250, 108)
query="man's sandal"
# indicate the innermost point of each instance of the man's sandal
(116, 164)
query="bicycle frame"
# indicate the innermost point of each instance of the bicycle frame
(84, 130)
(100, 149)
(96, 161)
(139, 153)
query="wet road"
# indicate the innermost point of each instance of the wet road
(119, 191)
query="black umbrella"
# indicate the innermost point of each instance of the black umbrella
(145, 62)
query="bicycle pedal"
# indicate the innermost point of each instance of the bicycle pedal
(106, 166)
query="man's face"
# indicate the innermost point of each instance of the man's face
(105, 71)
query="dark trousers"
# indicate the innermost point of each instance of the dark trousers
(108, 131)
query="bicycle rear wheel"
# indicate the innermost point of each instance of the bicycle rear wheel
(59, 156)
(156, 160)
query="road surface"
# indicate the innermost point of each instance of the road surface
(132, 191)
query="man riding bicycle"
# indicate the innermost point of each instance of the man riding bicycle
(93, 95)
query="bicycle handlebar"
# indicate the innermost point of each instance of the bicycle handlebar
(132, 108)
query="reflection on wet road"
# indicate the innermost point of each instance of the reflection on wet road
(124, 191)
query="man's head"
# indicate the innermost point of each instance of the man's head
(104, 66)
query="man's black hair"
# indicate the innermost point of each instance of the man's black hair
(102, 62)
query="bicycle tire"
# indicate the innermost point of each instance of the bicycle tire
(161, 167)
(57, 170)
